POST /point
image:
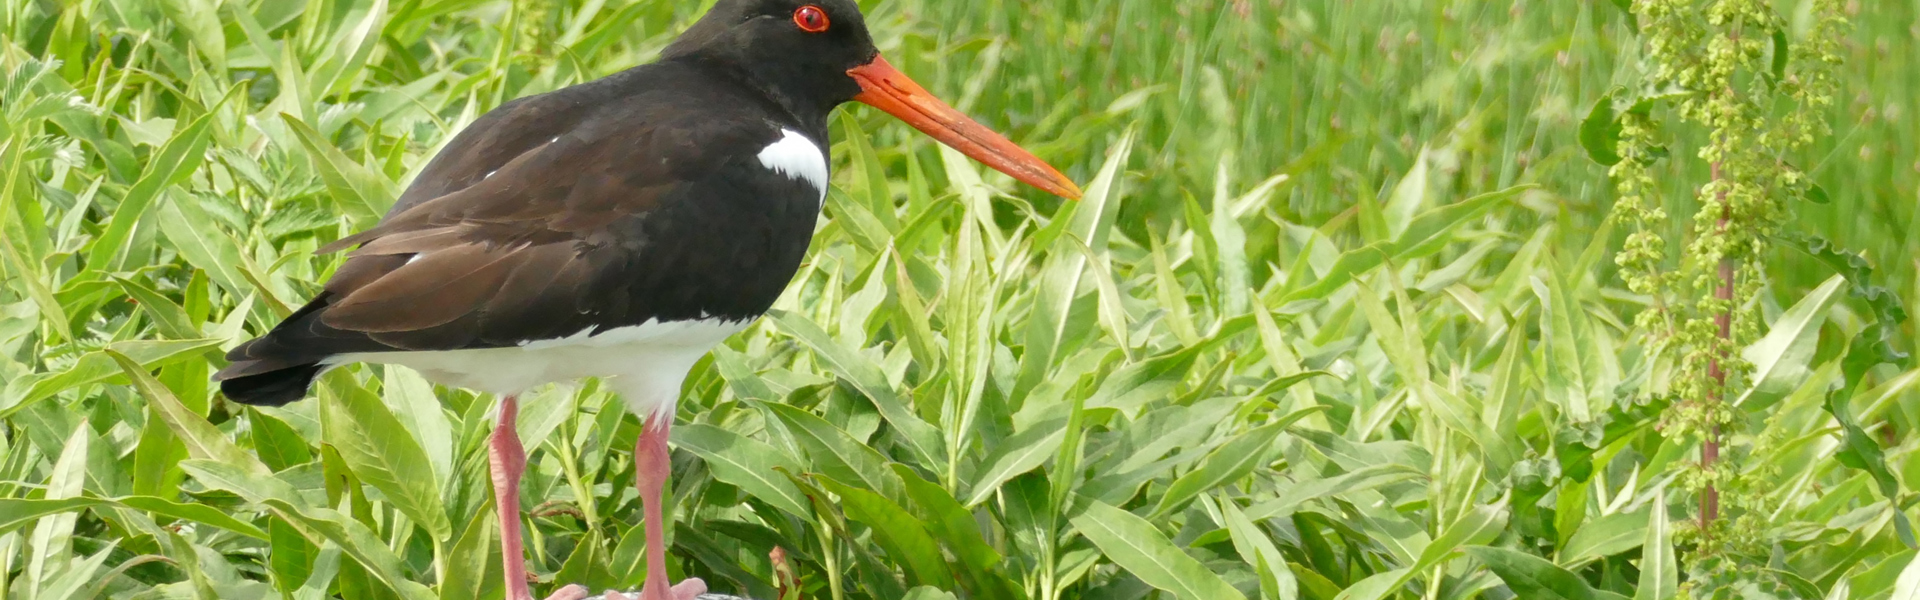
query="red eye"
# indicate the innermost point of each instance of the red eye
(811, 19)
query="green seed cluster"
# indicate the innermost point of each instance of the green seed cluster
(1759, 97)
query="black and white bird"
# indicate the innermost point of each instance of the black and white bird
(617, 229)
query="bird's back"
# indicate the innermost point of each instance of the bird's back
(660, 196)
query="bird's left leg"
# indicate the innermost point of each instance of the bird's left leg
(508, 460)
(652, 462)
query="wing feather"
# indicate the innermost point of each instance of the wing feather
(441, 286)
(566, 233)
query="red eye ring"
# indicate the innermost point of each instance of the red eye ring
(811, 19)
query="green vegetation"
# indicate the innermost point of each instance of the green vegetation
(1345, 314)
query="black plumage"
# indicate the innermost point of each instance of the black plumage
(654, 207)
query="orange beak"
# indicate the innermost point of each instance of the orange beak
(886, 88)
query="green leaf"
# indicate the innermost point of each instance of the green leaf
(197, 513)
(1478, 526)
(1140, 548)
(1782, 53)
(182, 155)
(362, 193)
(1857, 449)
(1408, 197)
(473, 561)
(422, 416)
(1060, 280)
(95, 367)
(1818, 195)
(1535, 578)
(1067, 472)
(1780, 359)
(928, 593)
(1407, 355)
(157, 456)
(1363, 479)
(381, 453)
(874, 190)
(207, 248)
(749, 464)
(904, 538)
(587, 564)
(1141, 382)
(326, 567)
(1907, 587)
(1426, 234)
(351, 536)
(1019, 454)
(837, 454)
(203, 440)
(1570, 363)
(1276, 578)
(52, 538)
(201, 22)
(277, 444)
(167, 316)
(1626, 9)
(1604, 537)
(1229, 463)
(1230, 243)
(1659, 576)
(1376, 586)
(1888, 308)
(954, 527)
(16, 513)
(76, 575)
(1600, 131)
(352, 46)
(922, 438)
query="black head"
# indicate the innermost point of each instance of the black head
(796, 51)
(813, 55)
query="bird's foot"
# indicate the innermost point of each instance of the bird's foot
(571, 592)
(690, 589)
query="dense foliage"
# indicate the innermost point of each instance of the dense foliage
(1348, 312)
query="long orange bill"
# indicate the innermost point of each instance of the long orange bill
(886, 88)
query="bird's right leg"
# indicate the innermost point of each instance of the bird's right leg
(508, 461)
(651, 463)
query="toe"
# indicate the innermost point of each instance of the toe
(690, 589)
(571, 592)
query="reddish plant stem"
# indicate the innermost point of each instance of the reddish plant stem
(1710, 449)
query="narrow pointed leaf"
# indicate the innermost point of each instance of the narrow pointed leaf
(1140, 548)
(383, 454)
(744, 462)
(1659, 575)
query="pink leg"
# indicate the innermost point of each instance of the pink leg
(651, 463)
(509, 460)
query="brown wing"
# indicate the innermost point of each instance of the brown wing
(566, 236)
(508, 259)
(628, 199)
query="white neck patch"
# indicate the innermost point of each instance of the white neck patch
(798, 157)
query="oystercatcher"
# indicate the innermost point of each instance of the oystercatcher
(617, 229)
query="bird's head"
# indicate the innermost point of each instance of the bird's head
(814, 55)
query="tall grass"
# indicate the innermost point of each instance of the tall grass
(1336, 320)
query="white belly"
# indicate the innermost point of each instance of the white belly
(644, 363)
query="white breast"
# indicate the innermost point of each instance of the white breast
(798, 157)
(644, 363)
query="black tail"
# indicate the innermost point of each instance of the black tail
(278, 368)
(272, 388)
